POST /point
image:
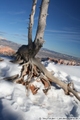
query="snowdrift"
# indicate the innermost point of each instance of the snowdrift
(16, 103)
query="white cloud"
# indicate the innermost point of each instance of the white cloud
(61, 31)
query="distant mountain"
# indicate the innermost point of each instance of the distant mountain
(43, 53)
(10, 44)
(49, 53)
(5, 50)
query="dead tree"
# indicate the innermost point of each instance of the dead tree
(26, 56)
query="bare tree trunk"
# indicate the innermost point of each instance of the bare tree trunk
(38, 42)
(31, 22)
(29, 51)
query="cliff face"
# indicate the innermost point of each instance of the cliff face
(64, 61)
(5, 50)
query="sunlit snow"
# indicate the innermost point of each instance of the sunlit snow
(16, 103)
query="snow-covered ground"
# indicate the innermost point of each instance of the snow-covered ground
(16, 103)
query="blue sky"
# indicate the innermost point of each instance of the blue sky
(62, 33)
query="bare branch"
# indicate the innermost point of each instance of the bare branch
(12, 77)
(18, 62)
(31, 22)
(72, 90)
(49, 75)
(41, 22)
(1, 59)
(68, 88)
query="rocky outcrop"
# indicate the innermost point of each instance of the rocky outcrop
(65, 62)
(5, 50)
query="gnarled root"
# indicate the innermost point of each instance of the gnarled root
(17, 59)
(12, 78)
(33, 89)
(1, 59)
(33, 68)
(72, 90)
(30, 70)
(68, 88)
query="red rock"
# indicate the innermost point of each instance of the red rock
(33, 89)
(6, 50)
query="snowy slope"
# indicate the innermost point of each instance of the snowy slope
(16, 103)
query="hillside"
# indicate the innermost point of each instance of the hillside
(43, 53)
(10, 44)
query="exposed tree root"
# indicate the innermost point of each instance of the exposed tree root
(32, 71)
(12, 78)
(18, 62)
(68, 88)
(1, 59)
(33, 68)
(33, 89)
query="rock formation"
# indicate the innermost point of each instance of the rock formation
(5, 50)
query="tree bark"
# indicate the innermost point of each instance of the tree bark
(29, 51)
(31, 22)
(38, 42)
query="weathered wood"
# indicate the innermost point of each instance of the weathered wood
(64, 86)
(1, 59)
(38, 42)
(75, 93)
(41, 22)
(31, 22)
(17, 62)
(33, 89)
(12, 77)
(49, 75)
(23, 52)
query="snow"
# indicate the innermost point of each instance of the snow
(16, 103)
